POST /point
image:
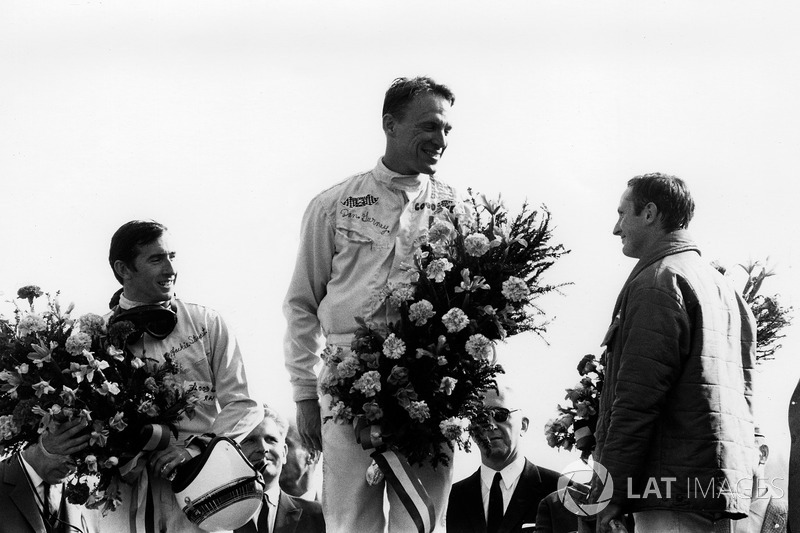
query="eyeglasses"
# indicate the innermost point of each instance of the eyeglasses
(155, 320)
(501, 414)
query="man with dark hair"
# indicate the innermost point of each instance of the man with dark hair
(32, 499)
(143, 260)
(298, 477)
(675, 428)
(355, 239)
(280, 512)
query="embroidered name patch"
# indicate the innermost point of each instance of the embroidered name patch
(360, 201)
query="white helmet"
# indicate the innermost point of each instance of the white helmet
(219, 489)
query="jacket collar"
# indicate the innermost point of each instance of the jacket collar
(401, 182)
(672, 243)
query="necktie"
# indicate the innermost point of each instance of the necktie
(495, 514)
(263, 516)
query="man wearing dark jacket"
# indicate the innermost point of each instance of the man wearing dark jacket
(503, 494)
(265, 447)
(675, 428)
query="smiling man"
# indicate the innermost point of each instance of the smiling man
(266, 448)
(504, 493)
(355, 239)
(675, 428)
(144, 260)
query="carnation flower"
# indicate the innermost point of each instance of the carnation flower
(29, 292)
(348, 367)
(369, 384)
(7, 427)
(437, 269)
(394, 347)
(515, 289)
(479, 347)
(372, 411)
(400, 293)
(78, 342)
(341, 413)
(418, 411)
(29, 324)
(440, 231)
(454, 427)
(398, 376)
(332, 354)
(420, 312)
(447, 385)
(476, 244)
(455, 320)
(92, 324)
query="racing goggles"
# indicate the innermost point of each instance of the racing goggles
(155, 320)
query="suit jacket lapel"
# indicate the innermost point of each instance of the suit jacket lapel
(473, 507)
(22, 495)
(528, 486)
(287, 515)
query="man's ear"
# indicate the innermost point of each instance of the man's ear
(525, 423)
(122, 269)
(389, 123)
(650, 213)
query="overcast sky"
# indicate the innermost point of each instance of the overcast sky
(223, 119)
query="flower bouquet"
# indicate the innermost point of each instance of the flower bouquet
(54, 368)
(576, 423)
(417, 384)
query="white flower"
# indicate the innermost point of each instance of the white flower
(479, 347)
(393, 347)
(455, 320)
(438, 269)
(92, 324)
(440, 231)
(30, 323)
(23, 368)
(515, 289)
(476, 244)
(77, 343)
(369, 384)
(68, 395)
(447, 385)
(420, 312)
(399, 293)
(454, 427)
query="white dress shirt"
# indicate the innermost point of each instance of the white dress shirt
(510, 475)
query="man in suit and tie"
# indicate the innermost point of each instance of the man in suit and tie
(504, 493)
(32, 483)
(266, 448)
